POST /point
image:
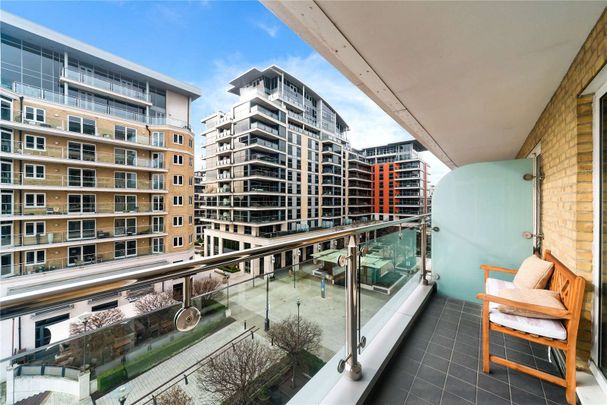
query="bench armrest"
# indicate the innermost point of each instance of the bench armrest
(488, 268)
(559, 313)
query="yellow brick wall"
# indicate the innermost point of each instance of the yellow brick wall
(564, 130)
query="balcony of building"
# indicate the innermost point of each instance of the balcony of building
(125, 183)
(10, 211)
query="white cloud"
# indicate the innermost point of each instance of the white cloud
(369, 124)
(270, 29)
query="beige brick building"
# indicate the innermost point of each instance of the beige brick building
(97, 169)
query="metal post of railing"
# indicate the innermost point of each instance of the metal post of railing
(353, 367)
(424, 241)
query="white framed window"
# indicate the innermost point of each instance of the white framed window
(158, 160)
(178, 139)
(35, 257)
(6, 171)
(6, 233)
(81, 203)
(178, 160)
(35, 114)
(35, 142)
(177, 241)
(6, 106)
(190, 220)
(125, 226)
(6, 203)
(157, 245)
(81, 177)
(177, 200)
(191, 162)
(81, 125)
(81, 229)
(123, 133)
(81, 151)
(34, 171)
(125, 179)
(6, 140)
(7, 268)
(157, 138)
(190, 200)
(125, 157)
(157, 181)
(77, 255)
(34, 228)
(35, 200)
(191, 238)
(127, 248)
(178, 180)
(190, 143)
(125, 203)
(191, 181)
(177, 221)
(157, 224)
(157, 203)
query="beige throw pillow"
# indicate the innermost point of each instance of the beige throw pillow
(534, 273)
(545, 298)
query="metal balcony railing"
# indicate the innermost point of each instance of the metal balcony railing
(81, 182)
(81, 209)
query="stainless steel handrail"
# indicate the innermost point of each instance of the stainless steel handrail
(45, 298)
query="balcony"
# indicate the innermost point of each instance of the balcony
(78, 182)
(53, 210)
(20, 150)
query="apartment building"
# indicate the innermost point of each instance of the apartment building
(400, 179)
(97, 164)
(199, 191)
(279, 162)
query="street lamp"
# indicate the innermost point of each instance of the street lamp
(298, 304)
(85, 320)
(121, 393)
(266, 325)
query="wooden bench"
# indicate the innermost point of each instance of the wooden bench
(571, 290)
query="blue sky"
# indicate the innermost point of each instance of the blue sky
(209, 43)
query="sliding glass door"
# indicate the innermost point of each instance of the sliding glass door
(602, 276)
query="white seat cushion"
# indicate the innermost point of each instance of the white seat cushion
(550, 328)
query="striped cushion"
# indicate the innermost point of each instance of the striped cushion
(550, 328)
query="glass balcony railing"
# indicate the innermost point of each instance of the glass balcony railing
(78, 209)
(105, 84)
(303, 289)
(81, 182)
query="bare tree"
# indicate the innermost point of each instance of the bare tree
(97, 320)
(233, 374)
(207, 288)
(154, 301)
(295, 336)
(174, 396)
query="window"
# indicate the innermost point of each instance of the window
(191, 162)
(157, 160)
(157, 138)
(34, 114)
(6, 261)
(157, 181)
(105, 306)
(190, 143)
(125, 226)
(157, 203)
(177, 241)
(81, 177)
(34, 171)
(191, 180)
(34, 257)
(7, 111)
(125, 157)
(157, 245)
(178, 180)
(125, 180)
(190, 199)
(178, 160)
(122, 133)
(35, 228)
(81, 125)
(177, 200)
(80, 203)
(6, 203)
(191, 238)
(6, 171)
(81, 151)
(126, 248)
(6, 233)
(83, 229)
(81, 254)
(157, 224)
(35, 142)
(125, 203)
(178, 221)
(178, 139)
(35, 200)
(6, 140)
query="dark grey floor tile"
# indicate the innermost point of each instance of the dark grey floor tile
(496, 338)
(428, 392)
(525, 398)
(539, 351)
(496, 371)
(436, 362)
(432, 375)
(554, 393)
(494, 386)
(463, 373)
(526, 382)
(486, 398)
(497, 350)
(465, 360)
(442, 340)
(406, 365)
(446, 332)
(522, 347)
(460, 388)
(465, 348)
(386, 395)
(521, 358)
(451, 399)
(413, 353)
(415, 400)
(438, 350)
(547, 367)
